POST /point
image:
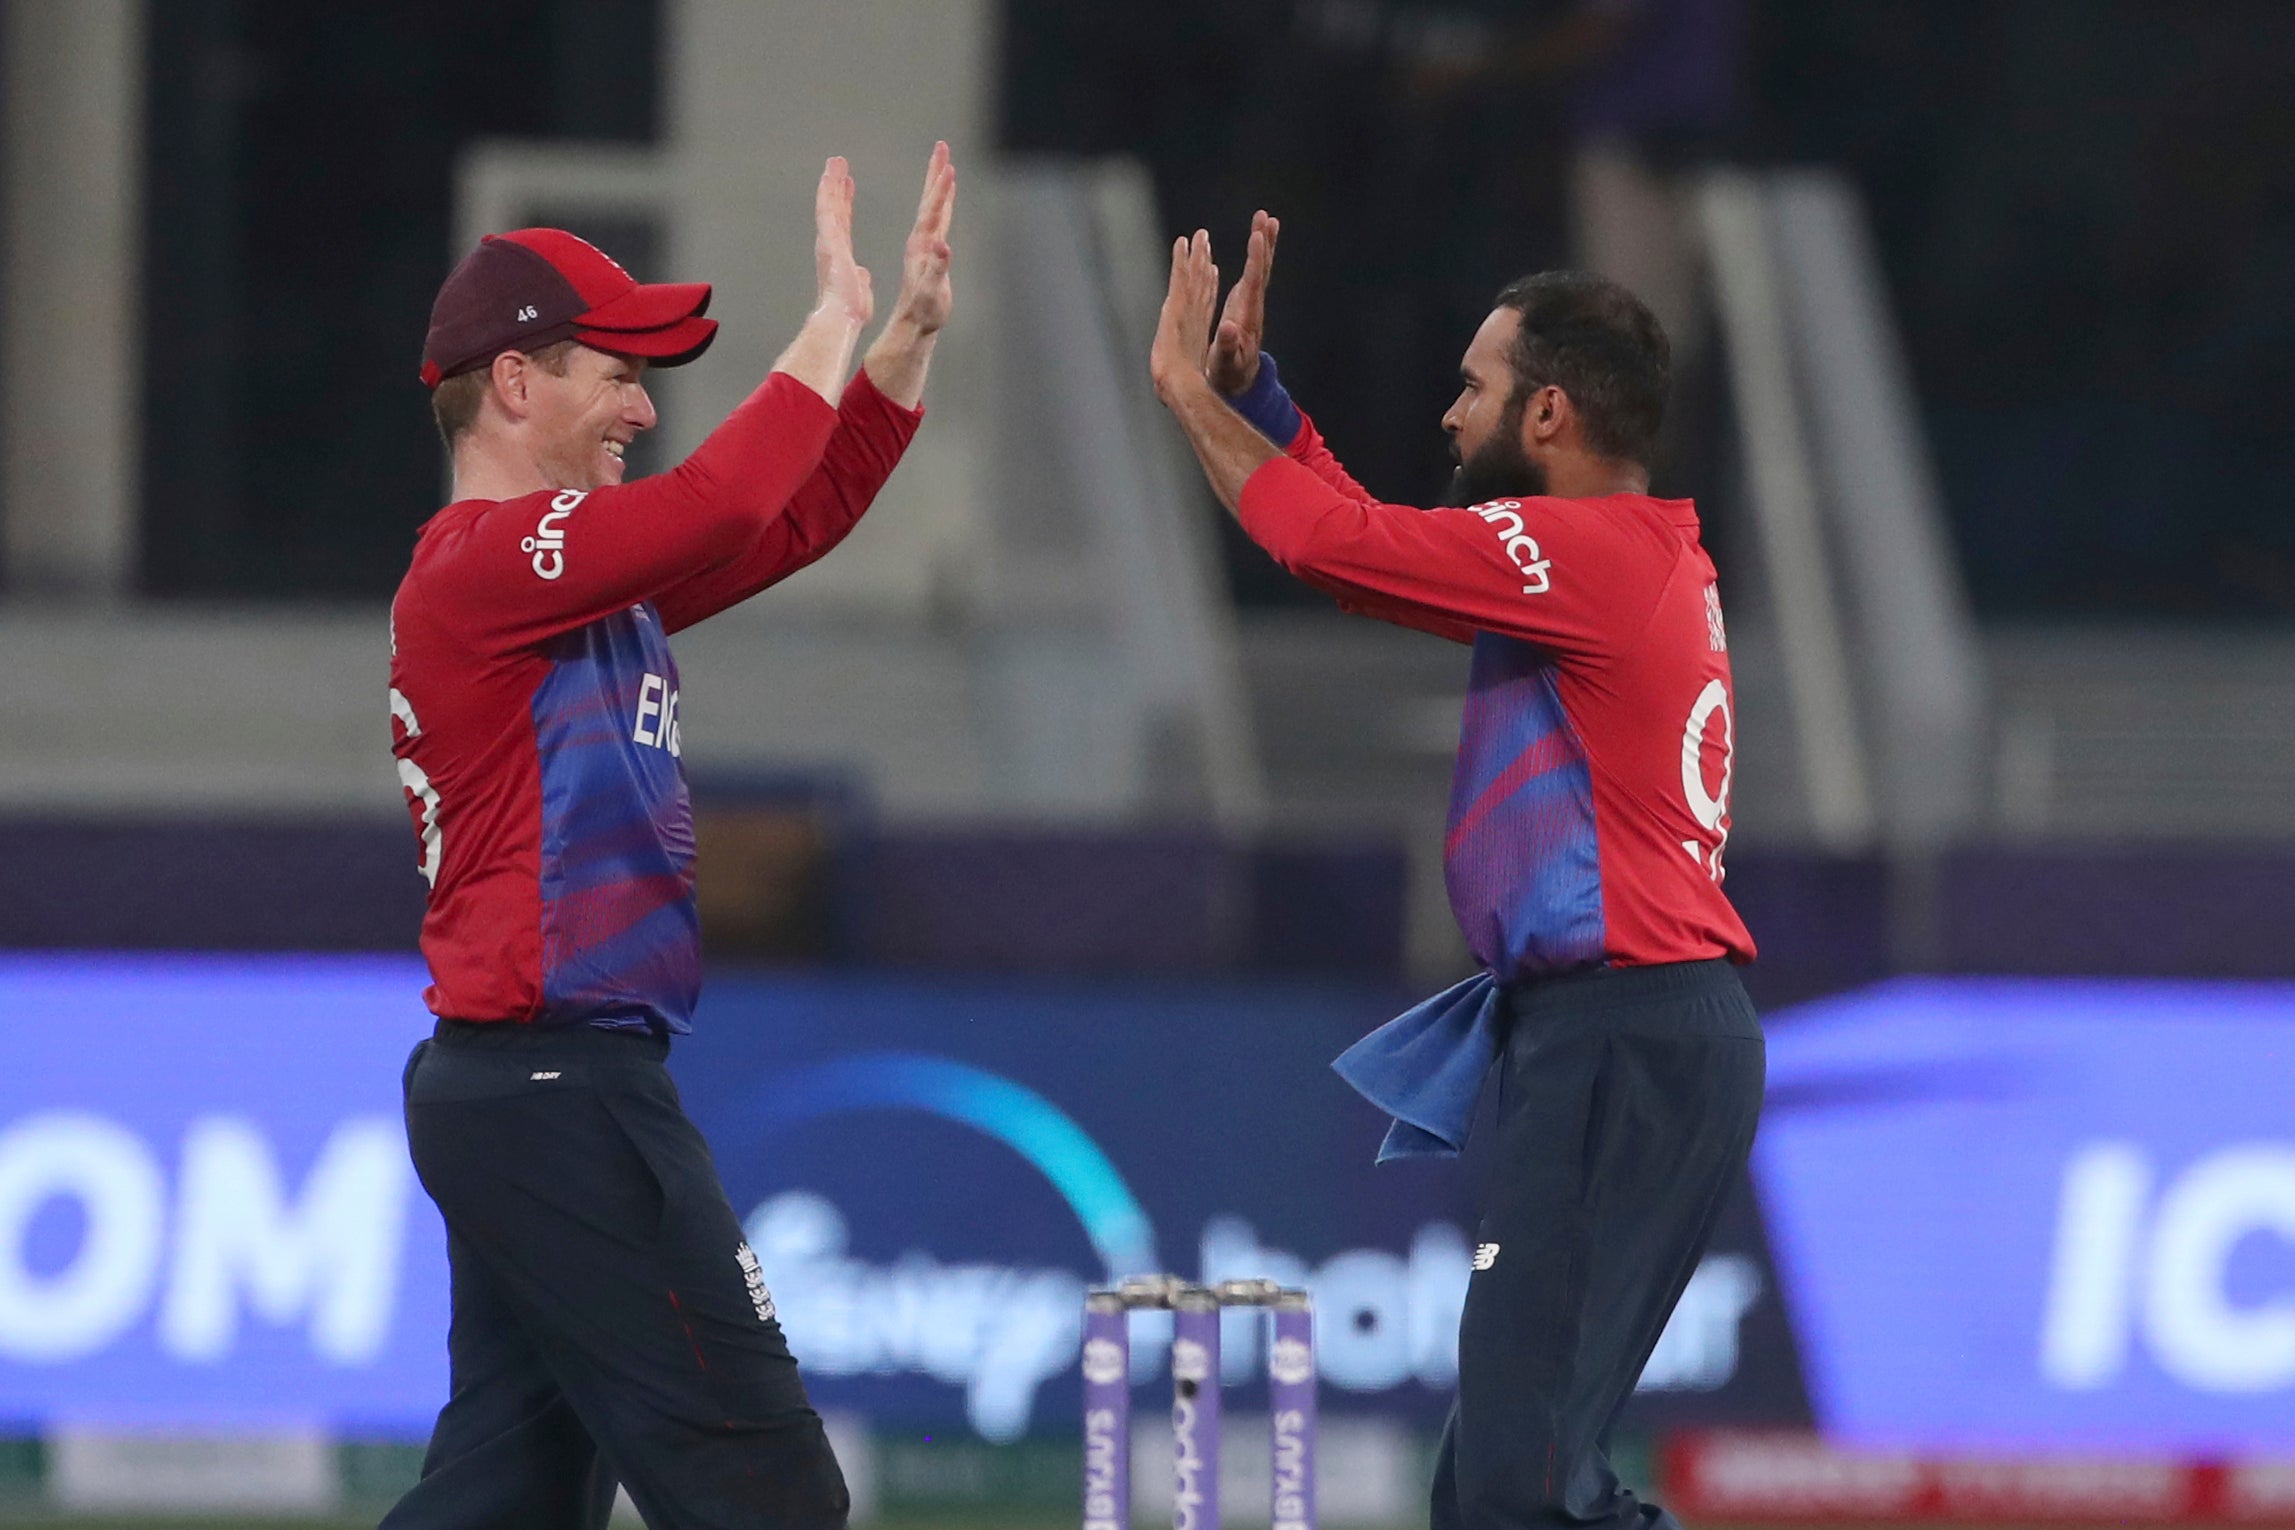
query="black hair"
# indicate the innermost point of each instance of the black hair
(1599, 344)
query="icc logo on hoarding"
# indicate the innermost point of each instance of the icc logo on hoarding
(2129, 1263)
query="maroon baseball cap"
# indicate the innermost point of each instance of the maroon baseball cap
(533, 287)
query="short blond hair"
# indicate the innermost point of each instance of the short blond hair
(454, 402)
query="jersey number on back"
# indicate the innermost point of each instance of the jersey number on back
(422, 797)
(1710, 809)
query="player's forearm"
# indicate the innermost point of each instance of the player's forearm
(740, 477)
(1227, 445)
(1327, 539)
(822, 354)
(899, 359)
(1267, 404)
(872, 432)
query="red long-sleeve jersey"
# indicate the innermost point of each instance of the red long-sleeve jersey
(535, 703)
(1590, 804)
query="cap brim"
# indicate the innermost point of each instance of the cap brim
(672, 345)
(654, 306)
(662, 322)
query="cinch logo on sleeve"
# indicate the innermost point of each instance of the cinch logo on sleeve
(1521, 547)
(548, 543)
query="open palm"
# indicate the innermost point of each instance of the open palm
(840, 279)
(925, 293)
(1234, 362)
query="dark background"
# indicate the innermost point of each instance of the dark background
(302, 200)
(2086, 209)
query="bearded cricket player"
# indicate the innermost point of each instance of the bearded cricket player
(1583, 856)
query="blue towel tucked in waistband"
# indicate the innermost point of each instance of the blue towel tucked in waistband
(1425, 1068)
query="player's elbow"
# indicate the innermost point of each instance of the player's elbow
(729, 532)
(1307, 547)
(1299, 520)
(1278, 536)
(1295, 559)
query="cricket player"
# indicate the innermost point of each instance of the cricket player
(1588, 816)
(609, 1320)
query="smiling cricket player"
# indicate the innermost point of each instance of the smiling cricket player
(609, 1320)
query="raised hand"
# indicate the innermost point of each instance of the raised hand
(925, 294)
(1230, 448)
(843, 283)
(1183, 330)
(1235, 349)
(842, 303)
(902, 353)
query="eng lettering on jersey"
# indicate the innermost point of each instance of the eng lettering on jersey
(657, 717)
(1505, 515)
(548, 543)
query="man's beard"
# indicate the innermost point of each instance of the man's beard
(1501, 469)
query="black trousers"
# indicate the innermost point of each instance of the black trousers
(1628, 1098)
(609, 1323)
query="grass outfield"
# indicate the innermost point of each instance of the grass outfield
(1020, 1519)
(1033, 1519)
(1025, 1520)
(20, 1519)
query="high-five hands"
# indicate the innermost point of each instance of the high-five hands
(902, 355)
(1230, 360)
(1183, 330)
(1235, 347)
(925, 295)
(842, 303)
(1229, 448)
(841, 282)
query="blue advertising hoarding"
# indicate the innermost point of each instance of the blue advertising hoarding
(932, 1171)
(2040, 1212)
(207, 1217)
(2015, 1214)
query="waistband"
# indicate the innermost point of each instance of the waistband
(1595, 989)
(590, 1043)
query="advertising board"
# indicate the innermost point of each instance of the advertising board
(207, 1217)
(2029, 1215)
(2039, 1213)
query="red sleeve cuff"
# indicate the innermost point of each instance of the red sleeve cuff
(865, 400)
(808, 407)
(1301, 437)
